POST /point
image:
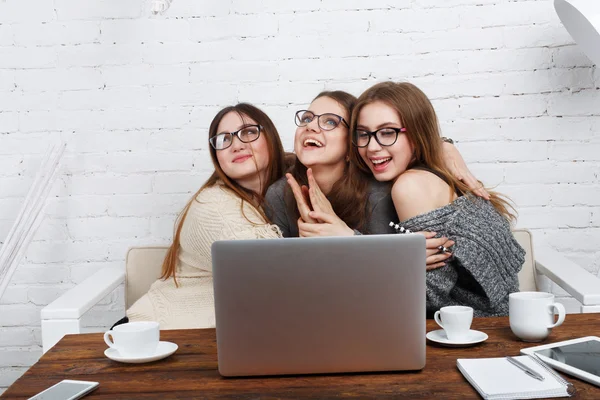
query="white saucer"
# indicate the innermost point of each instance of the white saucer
(440, 337)
(164, 349)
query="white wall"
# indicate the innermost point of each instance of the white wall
(133, 96)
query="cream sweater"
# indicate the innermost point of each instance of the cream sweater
(215, 215)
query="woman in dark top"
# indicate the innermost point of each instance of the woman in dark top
(396, 138)
(321, 145)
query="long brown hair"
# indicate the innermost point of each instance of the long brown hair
(275, 170)
(349, 195)
(422, 130)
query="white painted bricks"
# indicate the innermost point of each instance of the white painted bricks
(133, 97)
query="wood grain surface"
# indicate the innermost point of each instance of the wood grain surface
(192, 371)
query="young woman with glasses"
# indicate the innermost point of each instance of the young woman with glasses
(321, 144)
(247, 155)
(326, 195)
(396, 138)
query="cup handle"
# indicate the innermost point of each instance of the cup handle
(437, 319)
(561, 314)
(110, 343)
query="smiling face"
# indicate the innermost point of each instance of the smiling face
(385, 162)
(245, 163)
(316, 147)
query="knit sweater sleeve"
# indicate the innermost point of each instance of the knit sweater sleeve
(142, 310)
(215, 214)
(218, 214)
(486, 256)
(488, 253)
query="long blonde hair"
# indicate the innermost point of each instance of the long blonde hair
(422, 130)
(275, 170)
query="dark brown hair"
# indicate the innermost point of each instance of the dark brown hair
(422, 130)
(275, 170)
(349, 195)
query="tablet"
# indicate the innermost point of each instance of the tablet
(577, 357)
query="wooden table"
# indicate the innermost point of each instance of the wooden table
(192, 371)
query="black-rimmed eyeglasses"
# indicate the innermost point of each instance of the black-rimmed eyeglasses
(383, 136)
(247, 134)
(327, 122)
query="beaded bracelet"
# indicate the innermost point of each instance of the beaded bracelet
(398, 228)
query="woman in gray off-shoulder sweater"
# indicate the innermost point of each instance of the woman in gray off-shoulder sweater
(396, 137)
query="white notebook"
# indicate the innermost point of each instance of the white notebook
(496, 378)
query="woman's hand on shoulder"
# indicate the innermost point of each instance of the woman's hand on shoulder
(456, 164)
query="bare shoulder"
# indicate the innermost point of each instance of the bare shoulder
(413, 181)
(416, 192)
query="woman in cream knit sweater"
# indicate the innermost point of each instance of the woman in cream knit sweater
(247, 154)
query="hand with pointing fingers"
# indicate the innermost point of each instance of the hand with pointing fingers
(317, 217)
(301, 196)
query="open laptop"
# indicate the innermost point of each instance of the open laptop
(320, 305)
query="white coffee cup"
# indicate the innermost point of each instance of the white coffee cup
(134, 339)
(456, 321)
(531, 315)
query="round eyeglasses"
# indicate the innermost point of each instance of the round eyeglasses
(247, 134)
(383, 136)
(327, 122)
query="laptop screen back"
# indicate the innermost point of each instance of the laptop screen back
(319, 305)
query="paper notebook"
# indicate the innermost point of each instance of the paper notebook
(496, 378)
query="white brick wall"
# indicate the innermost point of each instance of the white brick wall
(133, 97)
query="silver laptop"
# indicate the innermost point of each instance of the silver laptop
(320, 305)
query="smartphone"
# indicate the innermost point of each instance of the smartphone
(66, 390)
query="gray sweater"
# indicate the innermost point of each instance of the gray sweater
(486, 257)
(380, 209)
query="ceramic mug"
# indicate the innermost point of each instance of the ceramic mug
(456, 321)
(134, 339)
(531, 315)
